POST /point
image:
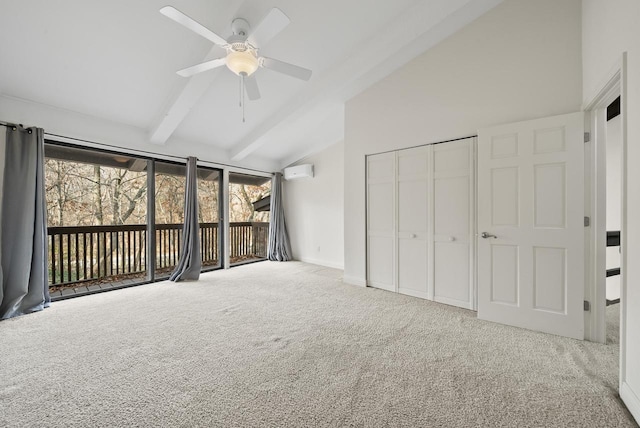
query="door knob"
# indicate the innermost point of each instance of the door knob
(486, 235)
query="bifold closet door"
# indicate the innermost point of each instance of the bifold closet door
(413, 214)
(381, 221)
(452, 223)
(420, 222)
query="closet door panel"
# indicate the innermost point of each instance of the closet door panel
(412, 206)
(451, 273)
(412, 267)
(452, 219)
(381, 254)
(381, 207)
(413, 210)
(381, 221)
(451, 202)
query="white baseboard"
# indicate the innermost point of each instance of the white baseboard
(321, 263)
(361, 282)
(631, 400)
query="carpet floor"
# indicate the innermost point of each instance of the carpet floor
(290, 345)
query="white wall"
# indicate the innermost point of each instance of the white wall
(609, 29)
(521, 60)
(314, 210)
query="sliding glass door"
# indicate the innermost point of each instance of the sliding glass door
(249, 198)
(96, 215)
(116, 219)
(170, 181)
(209, 208)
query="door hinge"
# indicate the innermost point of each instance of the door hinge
(587, 137)
(587, 221)
(587, 305)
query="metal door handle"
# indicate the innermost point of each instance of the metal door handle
(486, 235)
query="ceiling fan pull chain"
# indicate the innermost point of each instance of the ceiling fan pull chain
(242, 91)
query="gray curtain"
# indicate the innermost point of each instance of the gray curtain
(279, 247)
(190, 262)
(23, 230)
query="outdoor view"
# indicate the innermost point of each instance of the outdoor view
(250, 223)
(97, 217)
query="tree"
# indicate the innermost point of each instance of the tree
(241, 202)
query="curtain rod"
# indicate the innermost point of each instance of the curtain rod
(10, 125)
(138, 151)
(14, 127)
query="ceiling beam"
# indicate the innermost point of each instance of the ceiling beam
(184, 101)
(328, 131)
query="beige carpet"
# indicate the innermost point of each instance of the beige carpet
(287, 344)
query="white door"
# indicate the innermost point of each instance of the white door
(530, 212)
(452, 222)
(381, 221)
(413, 214)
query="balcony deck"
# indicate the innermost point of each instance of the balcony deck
(85, 259)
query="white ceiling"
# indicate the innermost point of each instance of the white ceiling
(116, 60)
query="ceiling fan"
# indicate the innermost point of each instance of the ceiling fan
(242, 48)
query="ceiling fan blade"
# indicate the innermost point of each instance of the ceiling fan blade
(251, 87)
(173, 13)
(199, 68)
(286, 68)
(272, 24)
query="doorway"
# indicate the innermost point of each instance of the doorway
(613, 213)
(604, 166)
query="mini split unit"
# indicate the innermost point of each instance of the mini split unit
(298, 171)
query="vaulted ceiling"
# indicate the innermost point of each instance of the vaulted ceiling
(117, 60)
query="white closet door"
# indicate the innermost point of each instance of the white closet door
(381, 221)
(452, 222)
(413, 212)
(530, 219)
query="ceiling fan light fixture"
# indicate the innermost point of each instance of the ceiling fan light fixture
(242, 62)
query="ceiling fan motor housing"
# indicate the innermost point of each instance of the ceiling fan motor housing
(241, 27)
(242, 58)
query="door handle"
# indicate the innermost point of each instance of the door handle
(486, 235)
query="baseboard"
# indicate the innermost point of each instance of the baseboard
(631, 400)
(361, 282)
(321, 263)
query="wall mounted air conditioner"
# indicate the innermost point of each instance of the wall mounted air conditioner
(298, 171)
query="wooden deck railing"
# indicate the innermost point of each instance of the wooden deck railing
(85, 253)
